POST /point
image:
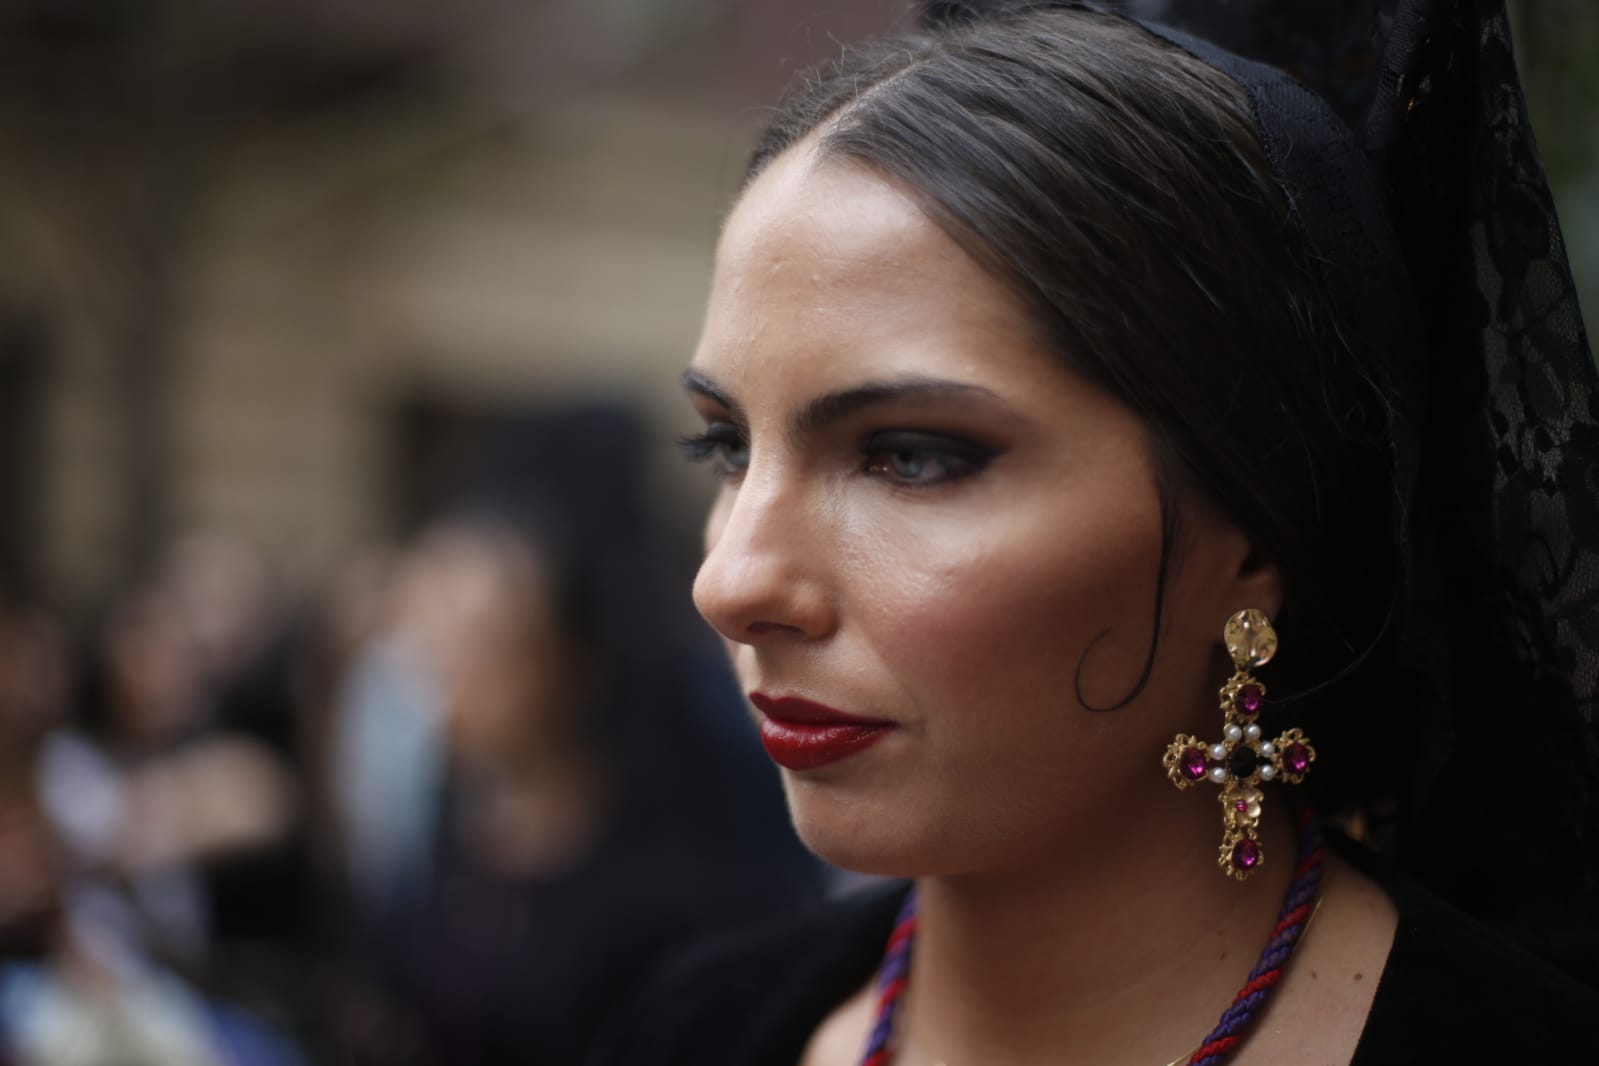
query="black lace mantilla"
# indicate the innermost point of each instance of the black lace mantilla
(1510, 481)
(1499, 448)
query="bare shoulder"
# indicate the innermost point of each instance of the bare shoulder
(1357, 917)
(841, 1036)
(1331, 982)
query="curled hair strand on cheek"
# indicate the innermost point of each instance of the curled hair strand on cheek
(1170, 523)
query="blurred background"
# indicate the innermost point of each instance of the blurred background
(352, 708)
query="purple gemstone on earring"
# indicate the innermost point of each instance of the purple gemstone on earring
(1193, 763)
(1246, 854)
(1248, 700)
(1296, 758)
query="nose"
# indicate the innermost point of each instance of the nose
(763, 575)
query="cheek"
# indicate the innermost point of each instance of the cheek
(980, 622)
(1022, 607)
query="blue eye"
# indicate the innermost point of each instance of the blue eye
(911, 458)
(722, 445)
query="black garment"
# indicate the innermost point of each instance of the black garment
(527, 971)
(1453, 991)
(496, 969)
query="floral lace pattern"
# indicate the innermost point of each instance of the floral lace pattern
(1513, 451)
(1499, 450)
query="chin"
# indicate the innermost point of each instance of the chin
(865, 856)
(871, 838)
(851, 833)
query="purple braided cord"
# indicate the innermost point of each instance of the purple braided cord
(896, 967)
(1238, 1017)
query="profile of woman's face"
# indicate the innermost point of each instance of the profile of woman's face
(926, 520)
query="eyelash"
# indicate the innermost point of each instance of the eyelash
(723, 445)
(715, 446)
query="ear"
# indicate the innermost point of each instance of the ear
(1223, 570)
(1257, 583)
(1237, 575)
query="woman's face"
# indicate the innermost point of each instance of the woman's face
(477, 604)
(928, 521)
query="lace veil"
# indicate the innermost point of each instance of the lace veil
(1428, 207)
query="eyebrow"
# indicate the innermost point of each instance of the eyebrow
(696, 381)
(830, 407)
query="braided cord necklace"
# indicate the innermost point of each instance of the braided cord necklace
(1298, 906)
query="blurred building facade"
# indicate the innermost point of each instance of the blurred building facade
(243, 246)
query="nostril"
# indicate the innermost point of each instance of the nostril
(760, 629)
(752, 603)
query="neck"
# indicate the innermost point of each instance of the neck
(1125, 949)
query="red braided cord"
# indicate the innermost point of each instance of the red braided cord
(1265, 980)
(891, 992)
(1293, 917)
(1219, 1047)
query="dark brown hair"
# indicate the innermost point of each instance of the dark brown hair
(1118, 186)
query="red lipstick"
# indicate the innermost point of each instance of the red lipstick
(801, 735)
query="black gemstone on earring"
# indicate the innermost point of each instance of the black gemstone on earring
(1241, 761)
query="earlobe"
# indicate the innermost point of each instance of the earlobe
(1241, 575)
(1259, 584)
(1233, 571)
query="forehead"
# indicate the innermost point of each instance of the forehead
(828, 213)
(825, 254)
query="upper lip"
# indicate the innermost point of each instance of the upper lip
(807, 712)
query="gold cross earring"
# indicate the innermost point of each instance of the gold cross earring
(1241, 761)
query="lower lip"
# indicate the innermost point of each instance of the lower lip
(802, 746)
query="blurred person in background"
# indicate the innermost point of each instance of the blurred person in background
(113, 815)
(535, 776)
(180, 788)
(33, 703)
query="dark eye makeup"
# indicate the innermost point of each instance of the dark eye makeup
(904, 457)
(917, 457)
